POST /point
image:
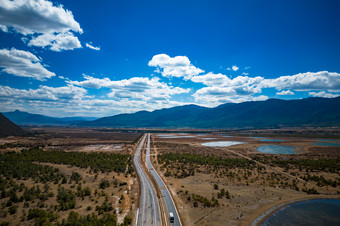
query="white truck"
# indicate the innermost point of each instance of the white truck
(171, 217)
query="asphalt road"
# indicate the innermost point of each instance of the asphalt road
(148, 213)
(169, 203)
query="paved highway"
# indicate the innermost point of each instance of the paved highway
(169, 203)
(148, 213)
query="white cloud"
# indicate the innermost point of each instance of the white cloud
(39, 16)
(221, 89)
(178, 66)
(92, 47)
(235, 68)
(245, 73)
(285, 93)
(241, 85)
(47, 24)
(322, 80)
(44, 93)
(214, 96)
(24, 64)
(323, 94)
(148, 94)
(3, 28)
(56, 42)
(136, 88)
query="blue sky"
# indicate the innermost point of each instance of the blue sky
(87, 58)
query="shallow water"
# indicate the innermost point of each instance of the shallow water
(329, 140)
(169, 137)
(276, 149)
(208, 138)
(311, 212)
(222, 143)
(271, 140)
(225, 135)
(328, 144)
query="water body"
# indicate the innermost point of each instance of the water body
(271, 140)
(329, 140)
(170, 137)
(208, 138)
(312, 212)
(277, 149)
(328, 144)
(222, 143)
(180, 135)
(225, 135)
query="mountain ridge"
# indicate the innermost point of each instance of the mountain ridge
(25, 118)
(312, 111)
(8, 128)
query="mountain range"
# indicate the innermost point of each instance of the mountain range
(272, 113)
(25, 118)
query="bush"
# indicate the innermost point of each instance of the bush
(13, 209)
(66, 199)
(104, 184)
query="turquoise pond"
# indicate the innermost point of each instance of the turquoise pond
(271, 140)
(327, 144)
(276, 149)
(312, 212)
(328, 140)
(222, 143)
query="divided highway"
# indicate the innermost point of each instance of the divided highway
(169, 203)
(148, 213)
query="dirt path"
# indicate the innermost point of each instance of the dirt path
(267, 166)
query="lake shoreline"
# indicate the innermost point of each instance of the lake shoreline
(261, 218)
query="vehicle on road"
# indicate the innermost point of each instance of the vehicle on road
(171, 217)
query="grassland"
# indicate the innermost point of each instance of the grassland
(68, 177)
(234, 185)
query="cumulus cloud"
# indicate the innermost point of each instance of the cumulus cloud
(40, 16)
(56, 42)
(137, 88)
(47, 24)
(323, 94)
(214, 96)
(221, 89)
(241, 85)
(92, 47)
(44, 93)
(322, 80)
(24, 64)
(285, 93)
(178, 66)
(125, 96)
(234, 68)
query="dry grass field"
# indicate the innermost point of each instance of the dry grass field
(209, 191)
(71, 175)
(43, 189)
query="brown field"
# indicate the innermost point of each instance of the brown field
(122, 192)
(252, 189)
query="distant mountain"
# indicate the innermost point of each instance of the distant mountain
(258, 114)
(171, 117)
(25, 118)
(8, 128)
